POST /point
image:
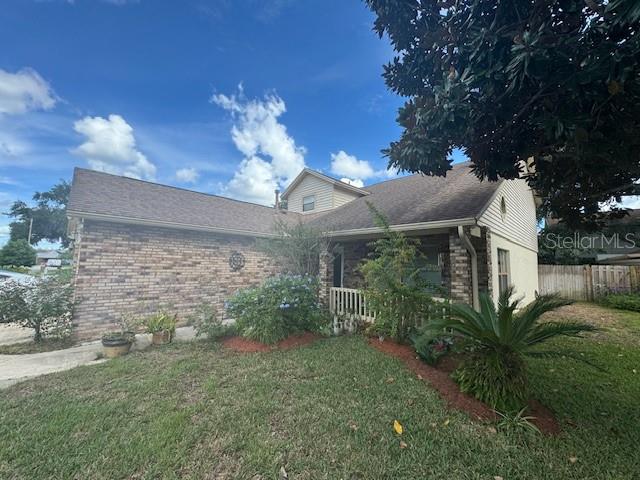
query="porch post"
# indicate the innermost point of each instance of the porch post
(325, 276)
(459, 270)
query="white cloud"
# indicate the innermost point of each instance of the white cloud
(355, 183)
(271, 157)
(24, 91)
(187, 175)
(353, 170)
(110, 146)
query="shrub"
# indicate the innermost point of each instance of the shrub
(206, 322)
(496, 373)
(281, 306)
(395, 286)
(161, 322)
(18, 253)
(622, 301)
(431, 349)
(45, 305)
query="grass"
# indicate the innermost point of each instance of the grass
(33, 347)
(321, 411)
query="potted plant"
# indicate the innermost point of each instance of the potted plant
(162, 327)
(117, 344)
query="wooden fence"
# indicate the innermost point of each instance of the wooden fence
(587, 282)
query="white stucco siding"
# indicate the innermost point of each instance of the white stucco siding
(340, 196)
(519, 224)
(523, 268)
(311, 185)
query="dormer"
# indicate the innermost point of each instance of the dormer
(312, 192)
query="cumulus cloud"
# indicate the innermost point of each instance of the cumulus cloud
(354, 170)
(355, 183)
(271, 157)
(110, 146)
(187, 175)
(24, 91)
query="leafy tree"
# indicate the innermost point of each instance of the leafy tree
(18, 253)
(45, 305)
(296, 248)
(395, 285)
(552, 82)
(502, 336)
(49, 216)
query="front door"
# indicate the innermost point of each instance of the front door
(337, 269)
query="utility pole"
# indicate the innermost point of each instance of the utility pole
(30, 229)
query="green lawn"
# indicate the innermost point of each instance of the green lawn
(321, 411)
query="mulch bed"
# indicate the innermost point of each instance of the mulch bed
(244, 345)
(439, 378)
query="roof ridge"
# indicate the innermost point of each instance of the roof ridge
(454, 165)
(163, 185)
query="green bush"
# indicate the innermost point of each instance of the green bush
(206, 322)
(431, 349)
(281, 306)
(44, 304)
(18, 253)
(500, 338)
(622, 301)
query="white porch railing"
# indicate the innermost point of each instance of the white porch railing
(348, 306)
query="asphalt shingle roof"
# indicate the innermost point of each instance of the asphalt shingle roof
(406, 200)
(415, 199)
(105, 194)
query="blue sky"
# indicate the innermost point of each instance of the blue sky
(229, 97)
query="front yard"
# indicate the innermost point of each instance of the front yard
(321, 411)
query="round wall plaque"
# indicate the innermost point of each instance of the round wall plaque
(236, 261)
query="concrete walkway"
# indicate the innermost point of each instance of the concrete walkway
(16, 368)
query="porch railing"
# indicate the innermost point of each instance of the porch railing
(348, 307)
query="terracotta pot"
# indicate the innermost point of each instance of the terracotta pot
(115, 347)
(161, 338)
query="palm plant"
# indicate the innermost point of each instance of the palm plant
(495, 373)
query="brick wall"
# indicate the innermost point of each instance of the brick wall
(135, 270)
(459, 270)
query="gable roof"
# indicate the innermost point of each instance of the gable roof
(415, 199)
(101, 195)
(405, 201)
(321, 176)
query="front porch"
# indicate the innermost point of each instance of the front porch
(456, 260)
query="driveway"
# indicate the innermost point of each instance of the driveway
(16, 368)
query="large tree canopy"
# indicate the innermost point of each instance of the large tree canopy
(552, 82)
(49, 216)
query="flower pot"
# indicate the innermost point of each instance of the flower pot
(161, 338)
(115, 347)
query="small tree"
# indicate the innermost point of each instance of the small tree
(296, 249)
(18, 253)
(45, 305)
(395, 287)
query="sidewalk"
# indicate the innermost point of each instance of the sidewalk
(16, 368)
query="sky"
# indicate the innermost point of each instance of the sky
(231, 97)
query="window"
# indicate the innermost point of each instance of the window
(308, 203)
(503, 270)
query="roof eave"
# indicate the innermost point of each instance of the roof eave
(159, 223)
(407, 227)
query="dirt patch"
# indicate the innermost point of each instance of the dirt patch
(244, 345)
(439, 378)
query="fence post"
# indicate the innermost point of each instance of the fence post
(588, 281)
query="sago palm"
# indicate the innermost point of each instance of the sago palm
(495, 373)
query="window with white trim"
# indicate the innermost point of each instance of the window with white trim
(308, 203)
(503, 270)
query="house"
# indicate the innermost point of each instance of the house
(140, 245)
(46, 258)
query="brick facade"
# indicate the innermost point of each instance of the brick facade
(136, 270)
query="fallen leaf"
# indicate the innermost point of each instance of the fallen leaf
(397, 426)
(353, 425)
(403, 445)
(446, 422)
(573, 459)
(420, 377)
(492, 430)
(283, 474)
(391, 380)
(497, 477)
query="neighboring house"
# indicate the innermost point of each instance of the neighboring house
(140, 246)
(48, 258)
